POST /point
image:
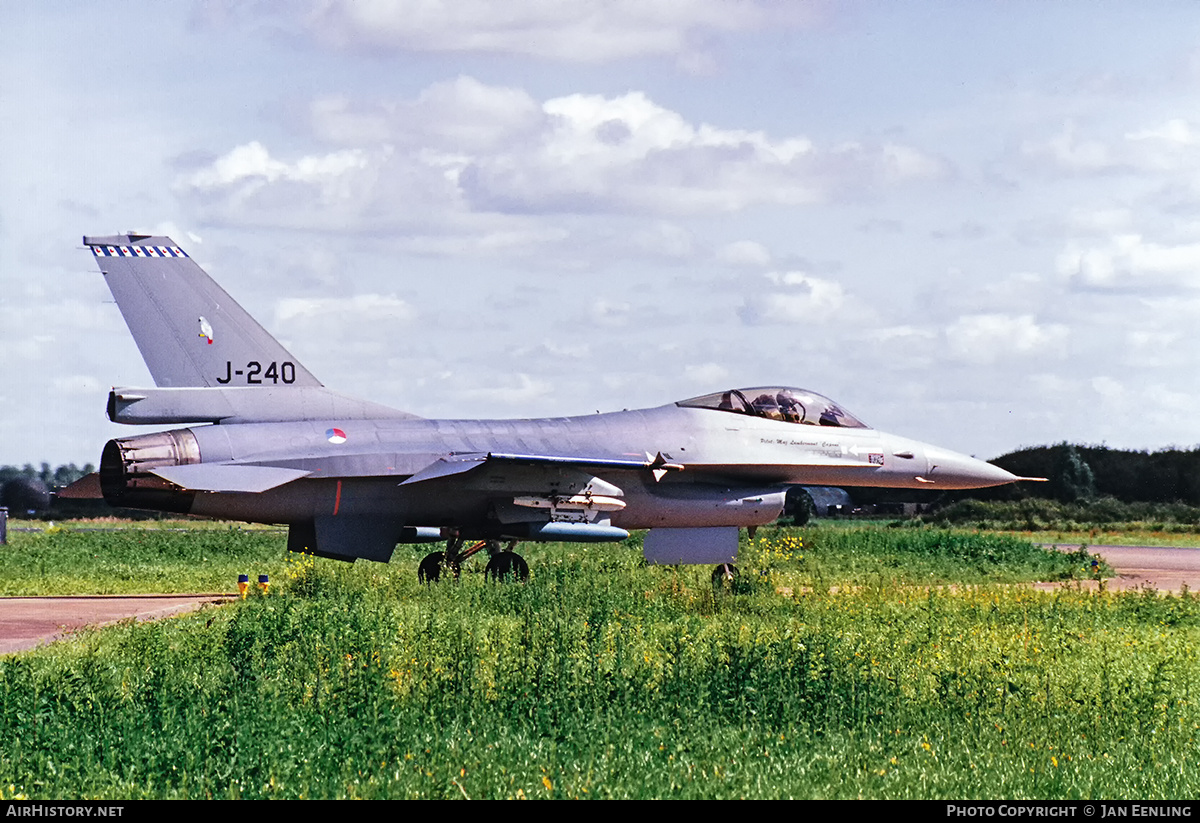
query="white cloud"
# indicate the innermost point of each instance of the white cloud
(744, 254)
(1128, 261)
(33, 332)
(81, 384)
(1110, 389)
(580, 31)
(959, 292)
(1170, 147)
(706, 374)
(358, 308)
(1159, 348)
(610, 312)
(901, 163)
(1099, 221)
(1070, 153)
(987, 338)
(346, 339)
(252, 162)
(516, 390)
(803, 299)
(904, 348)
(451, 119)
(669, 240)
(1142, 406)
(1176, 131)
(629, 154)
(464, 148)
(891, 334)
(483, 242)
(248, 185)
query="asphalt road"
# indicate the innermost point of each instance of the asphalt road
(1164, 568)
(26, 622)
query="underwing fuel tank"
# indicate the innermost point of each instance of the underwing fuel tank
(126, 465)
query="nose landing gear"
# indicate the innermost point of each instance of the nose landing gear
(725, 579)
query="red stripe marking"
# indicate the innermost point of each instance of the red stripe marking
(337, 500)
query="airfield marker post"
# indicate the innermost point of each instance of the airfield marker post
(3, 526)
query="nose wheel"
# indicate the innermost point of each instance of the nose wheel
(503, 564)
(725, 578)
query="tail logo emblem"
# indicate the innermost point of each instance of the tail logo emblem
(206, 330)
(335, 436)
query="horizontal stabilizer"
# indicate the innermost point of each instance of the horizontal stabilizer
(222, 477)
(267, 404)
(85, 488)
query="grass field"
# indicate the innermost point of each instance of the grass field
(1109, 537)
(605, 678)
(1176, 523)
(150, 556)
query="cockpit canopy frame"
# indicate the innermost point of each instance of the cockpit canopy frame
(784, 403)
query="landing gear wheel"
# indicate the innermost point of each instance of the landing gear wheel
(431, 568)
(507, 566)
(725, 579)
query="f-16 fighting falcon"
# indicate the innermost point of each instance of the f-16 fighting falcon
(264, 441)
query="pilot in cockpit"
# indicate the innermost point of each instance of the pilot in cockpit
(765, 406)
(790, 408)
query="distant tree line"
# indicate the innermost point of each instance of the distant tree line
(1083, 473)
(56, 478)
(28, 489)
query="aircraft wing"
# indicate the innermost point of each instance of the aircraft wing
(547, 464)
(460, 463)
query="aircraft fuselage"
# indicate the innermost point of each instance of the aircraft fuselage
(359, 466)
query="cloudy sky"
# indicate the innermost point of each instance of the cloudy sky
(975, 224)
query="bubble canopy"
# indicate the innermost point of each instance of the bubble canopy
(784, 403)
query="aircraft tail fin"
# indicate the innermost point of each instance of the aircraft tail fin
(189, 330)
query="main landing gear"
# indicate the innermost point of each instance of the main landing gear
(503, 563)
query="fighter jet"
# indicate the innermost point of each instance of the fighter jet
(264, 441)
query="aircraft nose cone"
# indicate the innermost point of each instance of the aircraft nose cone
(951, 470)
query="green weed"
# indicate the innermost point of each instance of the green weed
(602, 677)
